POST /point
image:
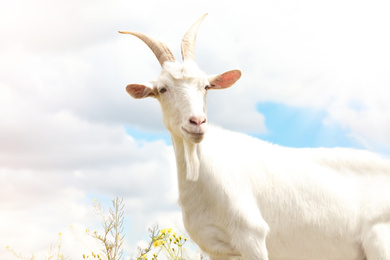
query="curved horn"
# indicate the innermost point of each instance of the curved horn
(159, 49)
(189, 39)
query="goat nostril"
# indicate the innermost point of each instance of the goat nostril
(197, 120)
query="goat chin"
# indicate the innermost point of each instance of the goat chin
(196, 139)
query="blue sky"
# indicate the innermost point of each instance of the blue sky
(301, 127)
(314, 74)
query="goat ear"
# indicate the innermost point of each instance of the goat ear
(140, 91)
(225, 80)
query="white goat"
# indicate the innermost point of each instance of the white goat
(241, 196)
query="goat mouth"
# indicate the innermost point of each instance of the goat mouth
(196, 134)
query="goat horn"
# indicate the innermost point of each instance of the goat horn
(189, 39)
(159, 49)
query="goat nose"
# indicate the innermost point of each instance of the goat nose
(197, 120)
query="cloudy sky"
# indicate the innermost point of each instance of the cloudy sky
(315, 73)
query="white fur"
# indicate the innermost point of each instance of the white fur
(241, 196)
(300, 203)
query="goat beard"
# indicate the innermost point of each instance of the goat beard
(192, 160)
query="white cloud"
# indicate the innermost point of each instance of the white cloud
(51, 148)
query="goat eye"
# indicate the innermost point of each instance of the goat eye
(162, 90)
(207, 87)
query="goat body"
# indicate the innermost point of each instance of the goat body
(241, 196)
(302, 203)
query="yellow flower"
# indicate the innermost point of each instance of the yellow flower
(166, 231)
(158, 243)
